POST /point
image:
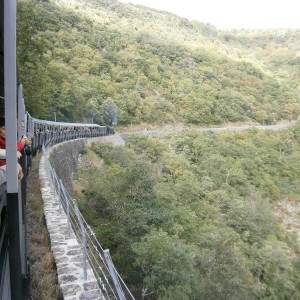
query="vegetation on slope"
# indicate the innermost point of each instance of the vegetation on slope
(191, 216)
(205, 200)
(156, 67)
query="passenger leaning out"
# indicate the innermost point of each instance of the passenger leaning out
(20, 146)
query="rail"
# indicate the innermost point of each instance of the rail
(109, 282)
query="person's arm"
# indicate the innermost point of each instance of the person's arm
(2, 154)
(2, 174)
(20, 144)
(20, 172)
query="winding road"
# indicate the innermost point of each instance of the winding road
(178, 128)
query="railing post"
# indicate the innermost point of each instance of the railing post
(113, 274)
(68, 216)
(83, 242)
(52, 181)
(59, 184)
(68, 209)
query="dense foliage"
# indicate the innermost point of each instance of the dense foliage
(192, 216)
(154, 66)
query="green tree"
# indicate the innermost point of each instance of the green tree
(167, 276)
(109, 111)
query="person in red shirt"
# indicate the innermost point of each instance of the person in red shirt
(20, 144)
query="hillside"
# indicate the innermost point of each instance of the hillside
(156, 67)
(213, 202)
(196, 215)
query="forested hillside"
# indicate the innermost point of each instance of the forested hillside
(75, 56)
(194, 215)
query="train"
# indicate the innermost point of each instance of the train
(50, 132)
(19, 124)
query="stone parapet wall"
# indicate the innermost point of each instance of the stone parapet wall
(66, 250)
(64, 159)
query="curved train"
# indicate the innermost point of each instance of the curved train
(49, 132)
(19, 124)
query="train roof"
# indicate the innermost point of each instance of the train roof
(63, 124)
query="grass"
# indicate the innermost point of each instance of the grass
(43, 276)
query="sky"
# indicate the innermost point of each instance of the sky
(233, 14)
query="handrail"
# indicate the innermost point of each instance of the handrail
(110, 283)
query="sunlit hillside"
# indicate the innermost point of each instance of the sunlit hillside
(154, 66)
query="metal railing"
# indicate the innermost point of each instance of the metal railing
(110, 283)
